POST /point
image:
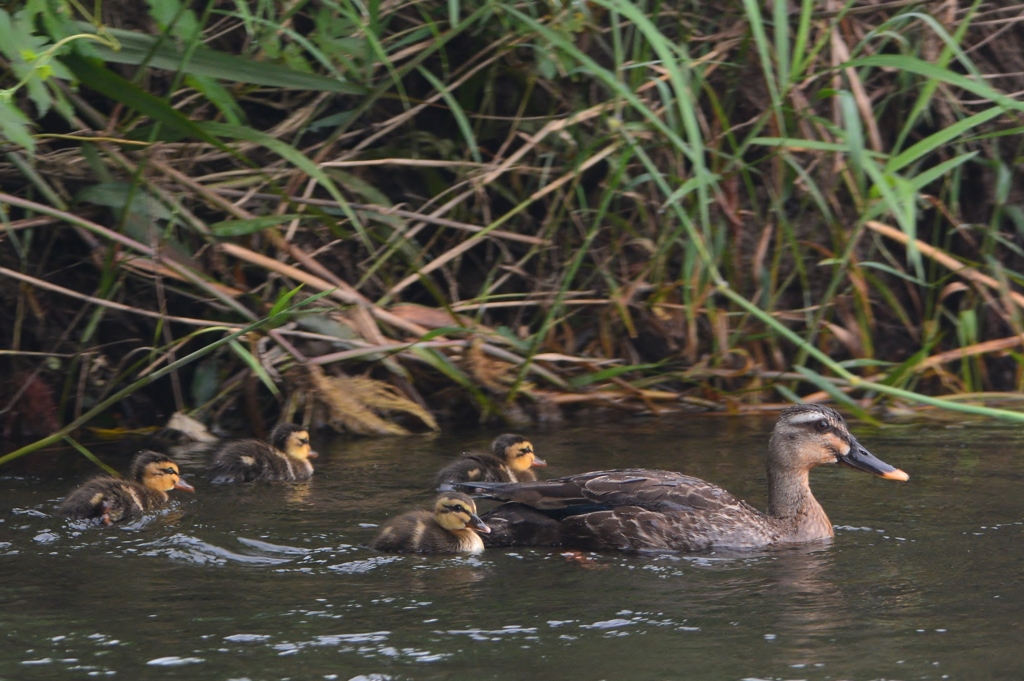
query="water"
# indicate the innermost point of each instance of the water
(266, 582)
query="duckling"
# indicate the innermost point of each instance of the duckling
(449, 529)
(111, 499)
(285, 458)
(651, 510)
(509, 460)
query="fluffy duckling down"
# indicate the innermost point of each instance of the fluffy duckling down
(286, 457)
(510, 460)
(112, 500)
(451, 528)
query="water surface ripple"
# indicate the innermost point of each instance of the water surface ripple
(267, 582)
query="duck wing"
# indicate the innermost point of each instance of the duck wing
(632, 528)
(654, 490)
(626, 510)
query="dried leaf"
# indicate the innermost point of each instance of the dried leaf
(429, 317)
(355, 403)
(190, 428)
(493, 374)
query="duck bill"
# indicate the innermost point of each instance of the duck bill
(477, 524)
(312, 455)
(863, 460)
(184, 486)
(538, 463)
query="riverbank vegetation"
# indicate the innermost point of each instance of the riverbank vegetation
(509, 210)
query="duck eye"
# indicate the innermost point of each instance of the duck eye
(823, 425)
(168, 471)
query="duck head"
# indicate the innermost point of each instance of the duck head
(293, 440)
(157, 472)
(456, 512)
(810, 435)
(517, 452)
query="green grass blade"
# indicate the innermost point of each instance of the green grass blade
(89, 455)
(157, 52)
(296, 158)
(283, 301)
(939, 139)
(605, 374)
(256, 367)
(456, 110)
(101, 79)
(229, 228)
(836, 394)
(923, 68)
(919, 182)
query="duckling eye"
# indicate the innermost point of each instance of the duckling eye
(168, 471)
(822, 425)
(303, 440)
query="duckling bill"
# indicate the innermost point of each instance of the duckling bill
(510, 460)
(652, 510)
(285, 458)
(451, 528)
(112, 500)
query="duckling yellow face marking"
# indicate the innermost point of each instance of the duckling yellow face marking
(163, 476)
(520, 456)
(297, 446)
(457, 512)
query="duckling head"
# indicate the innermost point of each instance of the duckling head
(293, 440)
(810, 435)
(517, 452)
(157, 472)
(454, 511)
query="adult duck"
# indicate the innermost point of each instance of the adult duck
(111, 500)
(285, 457)
(652, 510)
(510, 460)
(451, 528)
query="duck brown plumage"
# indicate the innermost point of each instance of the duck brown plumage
(450, 528)
(111, 500)
(285, 457)
(653, 510)
(510, 460)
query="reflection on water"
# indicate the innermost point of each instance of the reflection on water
(922, 580)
